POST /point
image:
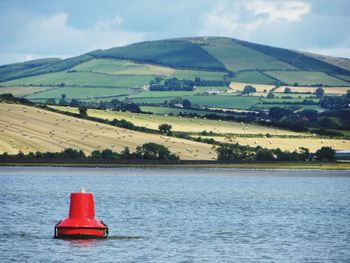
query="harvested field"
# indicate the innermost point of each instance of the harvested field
(239, 86)
(289, 144)
(182, 123)
(327, 90)
(30, 129)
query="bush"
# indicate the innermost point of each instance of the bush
(325, 154)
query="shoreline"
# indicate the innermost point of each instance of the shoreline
(247, 166)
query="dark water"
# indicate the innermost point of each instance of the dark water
(185, 215)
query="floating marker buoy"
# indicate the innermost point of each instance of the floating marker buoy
(81, 222)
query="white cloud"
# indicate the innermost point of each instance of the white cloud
(226, 18)
(290, 11)
(45, 36)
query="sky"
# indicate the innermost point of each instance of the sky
(65, 28)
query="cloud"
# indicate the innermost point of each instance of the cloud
(226, 18)
(45, 36)
(290, 11)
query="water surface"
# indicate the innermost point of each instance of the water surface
(179, 215)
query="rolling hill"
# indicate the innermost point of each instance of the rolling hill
(125, 72)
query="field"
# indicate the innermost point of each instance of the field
(21, 91)
(306, 78)
(80, 93)
(122, 67)
(237, 57)
(83, 78)
(239, 86)
(182, 123)
(228, 102)
(166, 110)
(288, 144)
(253, 77)
(327, 90)
(26, 129)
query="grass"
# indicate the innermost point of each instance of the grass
(237, 57)
(79, 93)
(306, 78)
(23, 91)
(177, 53)
(165, 110)
(229, 102)
(29, 129)
(253, 77)
(193, 125)
(83, 78)
(123, 67)
(192, 74)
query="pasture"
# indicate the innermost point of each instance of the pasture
(81, 93)
(30, 129)
(306, 78)
(21, 91)
(83, 79)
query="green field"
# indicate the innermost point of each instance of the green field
(267, 106)
(344, 77)
(306, 78)
(79, 93)
(122, 67)
(82, 78)
(230, 102)
(253, 77)
(192, 74)
(165, 110)
(237, 57)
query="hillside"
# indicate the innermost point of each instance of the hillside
(30, 129)
(210, 63)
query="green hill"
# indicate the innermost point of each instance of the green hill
(125, 72)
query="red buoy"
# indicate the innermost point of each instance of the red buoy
(81, 222)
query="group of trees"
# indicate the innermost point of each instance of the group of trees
(113, 104)
(308, 119)
(148, 151)
(172, 84)
(236, 152)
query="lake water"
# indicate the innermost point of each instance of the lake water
(179, 215)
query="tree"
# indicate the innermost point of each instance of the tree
(74, 103)
(270, 95)
(96, 154)
(232, 152)
(319, 92)
(248, 89)
(325, 154)
(154, 151)
(83, 111)
(63, 100)
(165, 128)
(186, 103)
(287, 90)
(264, 154)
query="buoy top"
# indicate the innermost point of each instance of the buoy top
(81, 205)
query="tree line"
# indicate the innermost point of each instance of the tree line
(148, 151)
